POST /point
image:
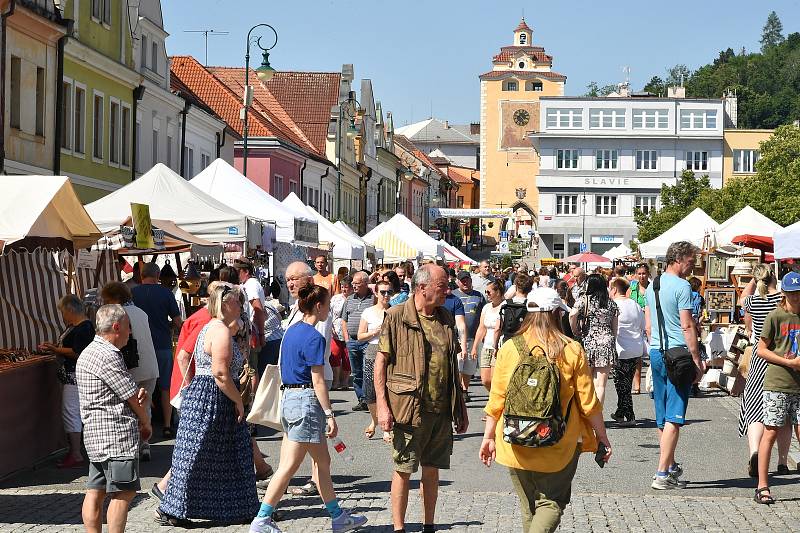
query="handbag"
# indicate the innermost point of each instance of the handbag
(744, 361)
(246, 378)
(678, 361)
(266, 408)
(178, 399)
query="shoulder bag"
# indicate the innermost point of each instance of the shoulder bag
(178, 399)
(266, 408)
(678, 361)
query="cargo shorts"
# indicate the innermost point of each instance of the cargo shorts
(430, 444)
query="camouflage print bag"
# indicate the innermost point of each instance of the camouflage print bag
(532, 414)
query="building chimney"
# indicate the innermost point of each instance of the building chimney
(475, 128)
(731, 109)
(447, 124)
(676, 92)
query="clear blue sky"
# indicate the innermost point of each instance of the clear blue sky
(428, 55)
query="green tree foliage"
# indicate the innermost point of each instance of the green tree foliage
(772, 33)
(656, 86)
(593, 90)
(678, 75)
(677, 201)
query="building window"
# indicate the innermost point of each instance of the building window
(101, 11)
(137, 156)
(606, 159)
(154, 57)
(521, 64)
(744, 161)
(277, 186)
(567, 159)
(696, 160)
(566, 204)
(564, 118)
(510, 85)
(155, 143)
(650, 119)
(113, 132)
(698, 119)
(66, 114)
(646, 160)
(606, 118)
(125, 138)
(107, 11)
(605, 205)
(97, 9)
(144, 50)
(646, 204)
(205, 160)
(97, 126)
(16, 92)
(304, 195)
(460, 202)
(523, 39)
(533, 86)
(80, 119)
(188, 163)
(41, 82)
(169, 147)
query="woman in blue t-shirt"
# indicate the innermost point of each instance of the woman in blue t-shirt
(306, 414)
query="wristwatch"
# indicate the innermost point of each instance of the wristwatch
(329, 413)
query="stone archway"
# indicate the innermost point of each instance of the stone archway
(520, 205)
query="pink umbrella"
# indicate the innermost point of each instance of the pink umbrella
(586, 257)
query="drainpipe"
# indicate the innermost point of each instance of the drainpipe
(302, 171)
(220, 144)
(327, 171)
(138, 93)
(187, 104)
(59, 99)
(4, 28)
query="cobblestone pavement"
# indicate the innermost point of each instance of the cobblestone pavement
(473, 498)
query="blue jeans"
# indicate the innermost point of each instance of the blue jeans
(355, 350)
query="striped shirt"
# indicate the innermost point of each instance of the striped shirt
(759, 308)
(273, 329)
(110, 427)
(351, 312)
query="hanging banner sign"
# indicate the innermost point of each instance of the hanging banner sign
(440, 212)
(140, 214)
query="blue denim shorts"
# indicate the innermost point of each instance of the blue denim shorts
(670, 402)
(302, 417)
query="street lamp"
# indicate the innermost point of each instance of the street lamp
(583, 220)
(351, 132)
(264, 73)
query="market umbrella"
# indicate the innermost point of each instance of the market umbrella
(586, 257)
(759, 242)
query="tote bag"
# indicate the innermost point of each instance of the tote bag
(266, 409)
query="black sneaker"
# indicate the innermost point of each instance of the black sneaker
(782, 470)
(361, 406)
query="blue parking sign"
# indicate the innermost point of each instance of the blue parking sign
(584, 247)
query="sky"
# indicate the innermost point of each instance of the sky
(424, 57)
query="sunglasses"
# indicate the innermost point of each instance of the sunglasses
(386, 293)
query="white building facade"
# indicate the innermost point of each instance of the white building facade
(602, 158)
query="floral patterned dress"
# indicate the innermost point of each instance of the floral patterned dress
(598, 337)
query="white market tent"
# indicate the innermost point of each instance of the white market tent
(401, 240)
(693, 228)
(43, 207)
(618, 252)
(344, 245)
(170, 197)
(223, 182)
(454, 254)
(746, 221)
(368, 248)
(787, 242)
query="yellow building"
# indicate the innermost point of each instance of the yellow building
(510, 92)
(740, 151)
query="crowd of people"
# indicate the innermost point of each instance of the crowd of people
(408, 342)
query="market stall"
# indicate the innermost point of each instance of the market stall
(40, 217)
(343, 245)
(696, 227)
(403, 240)
(747, 220)
(453, 254)
(787, 242)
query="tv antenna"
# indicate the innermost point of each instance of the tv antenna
(205, 35)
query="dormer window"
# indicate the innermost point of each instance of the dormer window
(523, 39)
(521, 64)
(533, 86)
(510, 85)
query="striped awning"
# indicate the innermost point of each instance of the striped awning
(395, 249)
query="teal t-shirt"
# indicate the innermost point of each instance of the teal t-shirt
(675, 296)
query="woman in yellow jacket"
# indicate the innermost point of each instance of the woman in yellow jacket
(543, 476)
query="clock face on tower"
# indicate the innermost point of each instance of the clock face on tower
(521, 117)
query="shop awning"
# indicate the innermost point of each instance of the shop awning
(176, 240)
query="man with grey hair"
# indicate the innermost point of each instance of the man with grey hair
(578, 281)
(668, 318)
(114, 419)
(483, 278)
(354, 306)
(163, 316)
(418, 390)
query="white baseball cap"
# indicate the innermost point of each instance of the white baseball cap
(545, 299)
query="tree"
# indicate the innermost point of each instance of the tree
(724, 57)
(593, 90)
(678, 75)
(676, 202)
(656, 86)
(772, 33)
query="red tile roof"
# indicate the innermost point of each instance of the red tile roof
(536, 52)
(522, 26)
(522, 74)
(266, 117)
(463, 174)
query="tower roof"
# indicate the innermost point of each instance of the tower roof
(522, 26)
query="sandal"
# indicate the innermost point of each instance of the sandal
(635, 391)
(387, 437)
(369, 433)
(762, 498)
(309, 489)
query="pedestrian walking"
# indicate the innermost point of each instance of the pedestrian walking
(369, 330)
(481, 280)
(339, 360)
(163, 316)
(306, 414)
(631, 344)
(324, 277)
(761, 297)
(212, 463)
(77, 335)
(114, 419)
(418, 391)
(256, 299)
(400, 289)
(355, 304)
(594, 320)
(542, 476)
(487, 336)
(638, 293)
(778, 346)
(473, 303)
(670, 323)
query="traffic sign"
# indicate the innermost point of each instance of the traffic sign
(503, 235)
(584, 247)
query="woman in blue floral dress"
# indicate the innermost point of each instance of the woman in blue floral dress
(212, 464)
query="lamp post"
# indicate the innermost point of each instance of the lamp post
(350, 133)
(583, 219)
(264, 73)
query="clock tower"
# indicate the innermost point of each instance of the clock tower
(510, 92)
